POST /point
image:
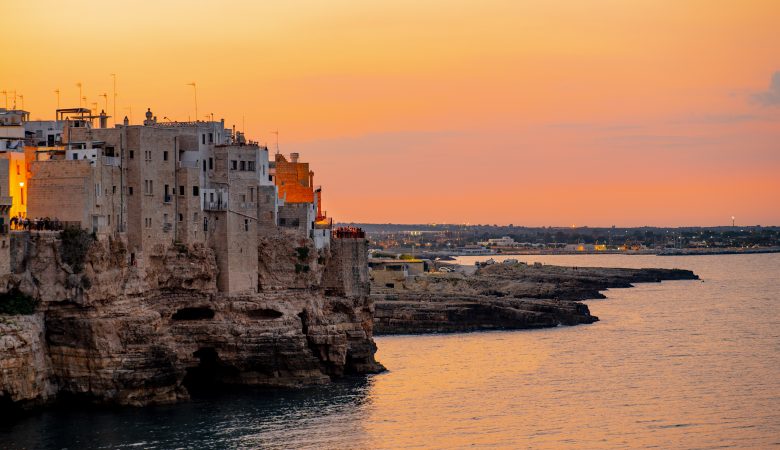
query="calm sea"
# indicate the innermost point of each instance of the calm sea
(683, 364)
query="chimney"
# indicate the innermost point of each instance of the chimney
(294, 157)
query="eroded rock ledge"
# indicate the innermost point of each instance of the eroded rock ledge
(504, 296)
(141, 334)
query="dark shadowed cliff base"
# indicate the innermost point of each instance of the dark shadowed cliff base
(504, 296)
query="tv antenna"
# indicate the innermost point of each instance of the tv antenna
(277, 140)
(113, 75)
(195, 87)
(57, 91)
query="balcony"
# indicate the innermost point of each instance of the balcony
(324, 224)
(113, 161)
(215, 206)
(188, 164)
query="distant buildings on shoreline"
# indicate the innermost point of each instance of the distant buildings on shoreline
(155, 185)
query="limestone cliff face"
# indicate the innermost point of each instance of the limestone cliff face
(116, 332)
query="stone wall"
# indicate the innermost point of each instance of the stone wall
(61, 189)
(346, 273)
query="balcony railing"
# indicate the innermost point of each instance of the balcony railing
(324, 224)
(215, 206)
(111, 161)
(188, 164)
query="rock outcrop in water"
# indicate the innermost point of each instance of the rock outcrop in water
(124, 334)
(504, 296)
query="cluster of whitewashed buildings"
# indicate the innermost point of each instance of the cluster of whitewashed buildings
(155, 185)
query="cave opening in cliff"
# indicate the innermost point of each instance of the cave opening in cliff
(210, 372)
(201, 313)
(265, 314)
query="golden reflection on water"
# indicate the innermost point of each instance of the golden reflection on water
(673, 365)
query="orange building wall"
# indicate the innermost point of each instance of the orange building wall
(294, 181)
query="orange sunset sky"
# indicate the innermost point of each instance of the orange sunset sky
(526, 112)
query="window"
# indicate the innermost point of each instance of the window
(129, 190)
(195, 217)
(147, 155)
(132, 154)
(181, 217)
(242, 165)
(211, 196)
(165, 155)
(204, 165)
(181, 191)
(166, 197)
(202, 137)
(211, 138)
(149, 187)
(195, 192)
(17, 169)
(252, 194)
(205, 224)
(246, 224)
(250, 166)
(233, 164)
(211, 163)
(113, 189)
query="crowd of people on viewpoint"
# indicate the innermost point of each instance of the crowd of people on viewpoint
(348, 232)
(20, 223)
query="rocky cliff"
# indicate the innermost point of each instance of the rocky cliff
(111, 332)
(503, 297)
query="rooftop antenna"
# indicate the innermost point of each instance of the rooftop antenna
(113, 75)
(732, 221)
(105, 99)
(5, 93)
(84, 98)
(195, 87)
(57, 91)
(243, 124)
(277, 140)
(79, 85)
(21, 97)
(14, 99)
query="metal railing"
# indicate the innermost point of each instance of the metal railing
(215, 206)
(111, 161)
(188, 164)
(349, 233)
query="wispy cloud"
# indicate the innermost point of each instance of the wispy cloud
(716, 119)
(770, 97)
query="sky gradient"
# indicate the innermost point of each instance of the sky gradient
(525, 112)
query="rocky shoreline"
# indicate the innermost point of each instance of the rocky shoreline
(113, 333)
(504, 296)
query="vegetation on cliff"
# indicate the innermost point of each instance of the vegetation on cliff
(74, 244)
